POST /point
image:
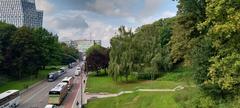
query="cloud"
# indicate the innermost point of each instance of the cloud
(150, 7)
(113, 7)
(66, 20)
(96, 30)
(168, 14)
(45, 6)
(98, 19)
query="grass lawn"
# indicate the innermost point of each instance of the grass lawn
(137, 100)
(21, 84)
(168, 81)
(179, 99)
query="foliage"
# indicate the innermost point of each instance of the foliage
(223, 28)
(190, 13)
(97, 58)
(24, 51)
(143, 53)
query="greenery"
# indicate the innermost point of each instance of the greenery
(169, 81)
(190, 97)
(24, 51)
(8, 84)
(204, 35)
(143, 54)
(97, 57)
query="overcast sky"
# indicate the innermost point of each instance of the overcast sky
(99, 19)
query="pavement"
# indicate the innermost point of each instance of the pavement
(37, 96)
(81, 99)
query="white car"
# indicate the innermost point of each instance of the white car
(50, 106)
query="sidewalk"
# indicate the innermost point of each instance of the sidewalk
(81, 100)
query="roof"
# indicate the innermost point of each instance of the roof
(67, 78)
(53, 72)
(7, 93)
(49, 106)
(59, 87)
(62, 68)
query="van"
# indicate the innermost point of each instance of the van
(77, 72)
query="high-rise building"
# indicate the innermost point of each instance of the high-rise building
(83, 45)
(20, 13)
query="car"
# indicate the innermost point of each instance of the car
(78, 70)
(63, 69)
(50, 106)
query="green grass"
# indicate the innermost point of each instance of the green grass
(106, 84)
(136, 100)
(189, 97)
(22, 84)
(147, 100)
(169, 80)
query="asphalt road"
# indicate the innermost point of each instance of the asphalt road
(37, 97)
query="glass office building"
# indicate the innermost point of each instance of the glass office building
(20, 13)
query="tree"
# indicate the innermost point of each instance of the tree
(24, 53)
(143, 54)
(68, 54)
(97, 57)
(223, 28)
(190, 14)
(6, 32)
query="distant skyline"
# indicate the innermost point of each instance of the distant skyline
(100, 19)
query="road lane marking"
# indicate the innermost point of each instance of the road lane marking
(77, 94)
(34, 95)
(52, 84)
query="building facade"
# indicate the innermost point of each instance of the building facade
(20, 13)
(83, 45)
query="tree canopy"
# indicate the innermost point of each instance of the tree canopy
(24, 51)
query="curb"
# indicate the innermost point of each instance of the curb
(32, 86)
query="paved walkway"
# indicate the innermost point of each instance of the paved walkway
(106, 95)
(78, 99)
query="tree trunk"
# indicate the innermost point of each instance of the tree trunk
(105, 70)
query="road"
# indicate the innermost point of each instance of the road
(37, 97)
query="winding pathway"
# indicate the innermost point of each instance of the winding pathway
(106, 95)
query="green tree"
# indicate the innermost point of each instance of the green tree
(223, 27)
(6, 32)
(68, 54)
(190, 14)
(97, 57)
(24, 52)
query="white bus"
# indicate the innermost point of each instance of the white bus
(9, 99)
(69, 81)
(57, 94)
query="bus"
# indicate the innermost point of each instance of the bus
(53, 76)
(58, 93)
(9, 99)
(69, 81)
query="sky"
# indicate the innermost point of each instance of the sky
(100, 19)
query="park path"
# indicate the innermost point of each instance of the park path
(106, 95)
